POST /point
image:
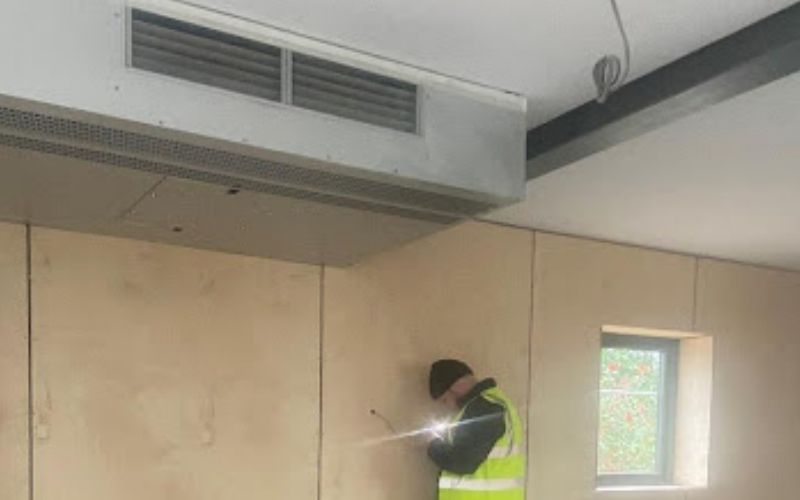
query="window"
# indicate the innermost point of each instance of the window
(638, 385)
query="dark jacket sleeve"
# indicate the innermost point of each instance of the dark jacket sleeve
(482, 424)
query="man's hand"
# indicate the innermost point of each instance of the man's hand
(428, 439)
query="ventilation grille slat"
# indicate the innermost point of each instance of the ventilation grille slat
(163, 62)
(202, 55)
(114, 146)
(205, 45)
(269, 69)
(184, 50)
(374, 104)
(353, 93)
(317, 74)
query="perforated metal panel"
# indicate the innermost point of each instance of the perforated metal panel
(195, 53)
(353, 93)
(65, 137)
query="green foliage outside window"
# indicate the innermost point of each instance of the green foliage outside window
(630, 381)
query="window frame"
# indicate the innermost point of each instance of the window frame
(669, 348)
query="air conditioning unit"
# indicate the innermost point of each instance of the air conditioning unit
(170, 122)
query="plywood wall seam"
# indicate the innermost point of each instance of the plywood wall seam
(529, 382)
(695, 292)
(29, 299)
(320, 368)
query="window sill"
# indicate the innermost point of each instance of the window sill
(664, 487)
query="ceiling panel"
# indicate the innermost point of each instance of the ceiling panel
(203, 215)
(73, 194)
(723, 183)
(65, 193)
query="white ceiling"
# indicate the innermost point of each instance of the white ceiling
(544, 49)
(723, 183)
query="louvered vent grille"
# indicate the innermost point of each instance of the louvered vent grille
(112, 146)
(353, 93)
(203, 55)
(198, 54)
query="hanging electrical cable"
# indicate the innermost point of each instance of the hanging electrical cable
(608, 73)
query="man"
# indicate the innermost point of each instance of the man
(480, 452)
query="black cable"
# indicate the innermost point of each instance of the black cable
(385, 420)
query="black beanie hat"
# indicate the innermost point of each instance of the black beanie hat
(444, 373)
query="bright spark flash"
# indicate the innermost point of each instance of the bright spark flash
(436, 429)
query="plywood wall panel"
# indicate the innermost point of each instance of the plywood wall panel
(579, 286)
(13, 364)
(693, 411)
(754, 315)
(172, 374)
(464, 293)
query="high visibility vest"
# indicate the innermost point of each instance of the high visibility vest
(502, 475)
